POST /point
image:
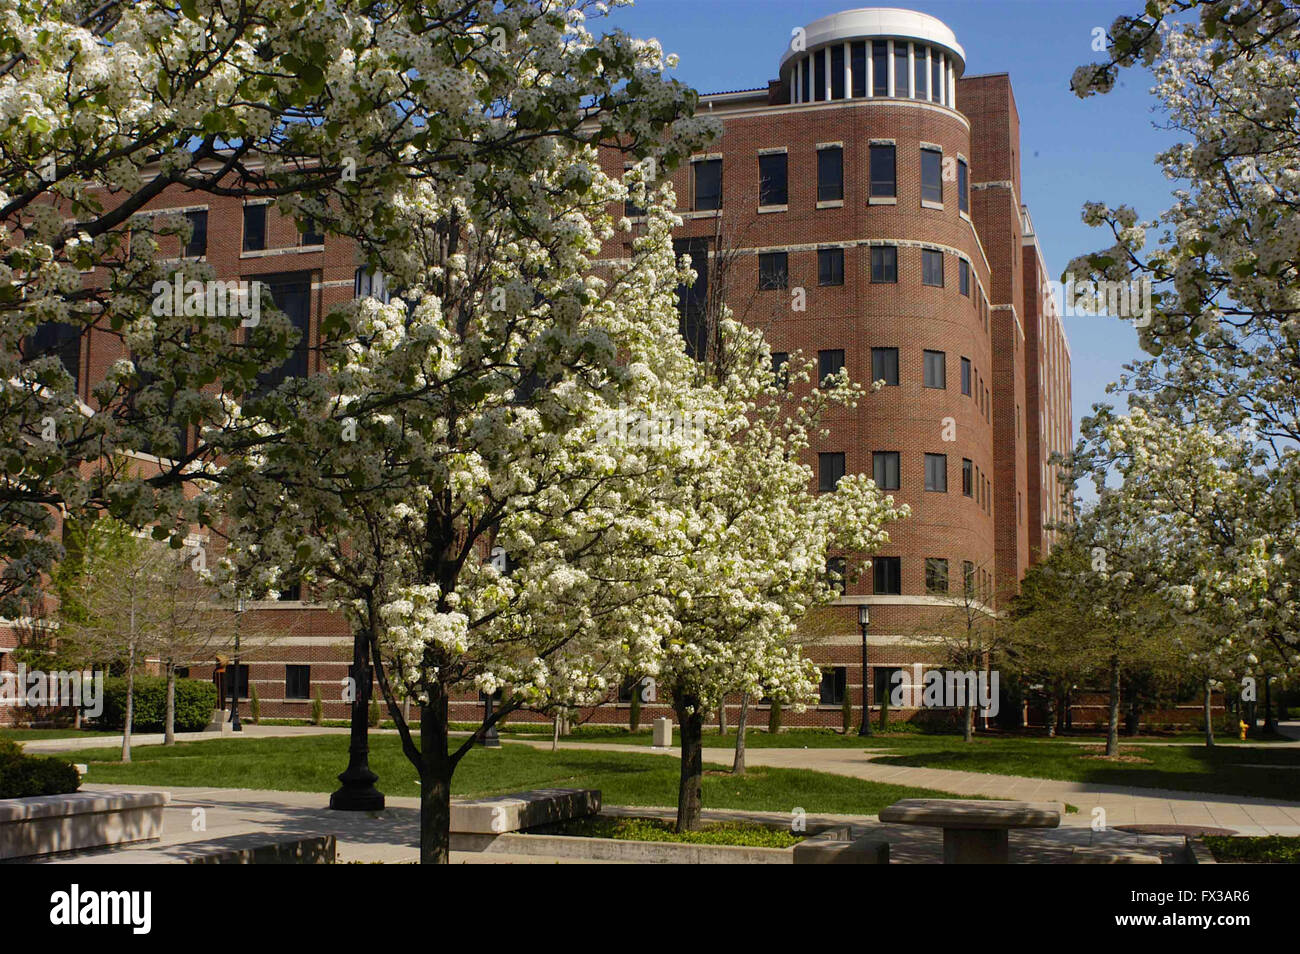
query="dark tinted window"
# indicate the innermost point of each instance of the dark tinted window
(773, 270)
(936, 473)
(884, 175)
(884, 263)
(884, 467)
(772, 179)
(292, 295)
(966, 477)
(963, 276)
(931, 175)
(198, 243)
(830, 468)
(936, 575)
(965, 376)
(935, 372)
(833, 686)
(830, 174)
(880, 67)
(297, 682)
(780, 373)
(963, 196)
(837, 71)
(830, 266)
(828, 363)
(887, 575)
(884, 365)
(254, 227)
(931, 267)
(858, 61)
(708, 184)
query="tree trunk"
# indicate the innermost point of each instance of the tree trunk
(968, 722)
(1270, 724)
(1051, 717)
(722, 715)
(690, 719)
(738, 763)
(435, 782)
(1112, 730)
(130, 696)
(1207, 707)
(169, 719)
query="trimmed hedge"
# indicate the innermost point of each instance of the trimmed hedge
(22, 775)
(195, 700)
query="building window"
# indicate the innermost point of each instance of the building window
(773, 270)
(886, 575)
(57, 339)
(963, 276)
(967, 477)
(368, 284)
(780, 369)
(936, 575)
(829, 363)
(835, 681)
(900, 68)
(772, 179)
(292, 295)
(830, 266)
(880, 67)
(884, 171)
(837, 573)
(297, 682)
(884, 469)
(884, 365)
(819, 75)
(233, 678)
(932, 267)
(884, 264)
(936, 78)
(311, 233)
(885, 680)
(830, 468)
(936, 473)
(197, 246)
(931, 175)
(935, 372)
(920, 88)
(837, 71)
(965, 376)
(858, 61)
(963, 195)
(290, 592)
(708, 184)
(968, 577)
(255, 227)
(830, 174)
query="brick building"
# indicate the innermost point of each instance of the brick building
(883, 186)
(868, 200)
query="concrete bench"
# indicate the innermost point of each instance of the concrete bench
(974, 832)
(50, 824)
(843, 845)
(522, 810)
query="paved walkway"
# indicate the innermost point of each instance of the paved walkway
(1121, 805)
(392, 836)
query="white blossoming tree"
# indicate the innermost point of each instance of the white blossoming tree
(1210, 447)
(448, 477)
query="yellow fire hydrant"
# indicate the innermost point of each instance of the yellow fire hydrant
(1243, 727)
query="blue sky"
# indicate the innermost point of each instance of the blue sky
(1074, 151)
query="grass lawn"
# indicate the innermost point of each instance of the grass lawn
(1270, 772)
(310, 764)
(1272, 849)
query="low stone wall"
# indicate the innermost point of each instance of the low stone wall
(53, 824)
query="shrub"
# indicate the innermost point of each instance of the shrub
(317, 709)
(254, 705)
(846, 712)
(634, 710)
(22, 776)
(374, 716)
(195, 700)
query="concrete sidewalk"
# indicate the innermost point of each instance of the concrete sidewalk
(392, 836)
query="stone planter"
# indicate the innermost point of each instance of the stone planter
(52, 824)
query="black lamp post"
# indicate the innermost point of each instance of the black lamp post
(864, 619)
(490, 739)
(234, 678)
(358, 792)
